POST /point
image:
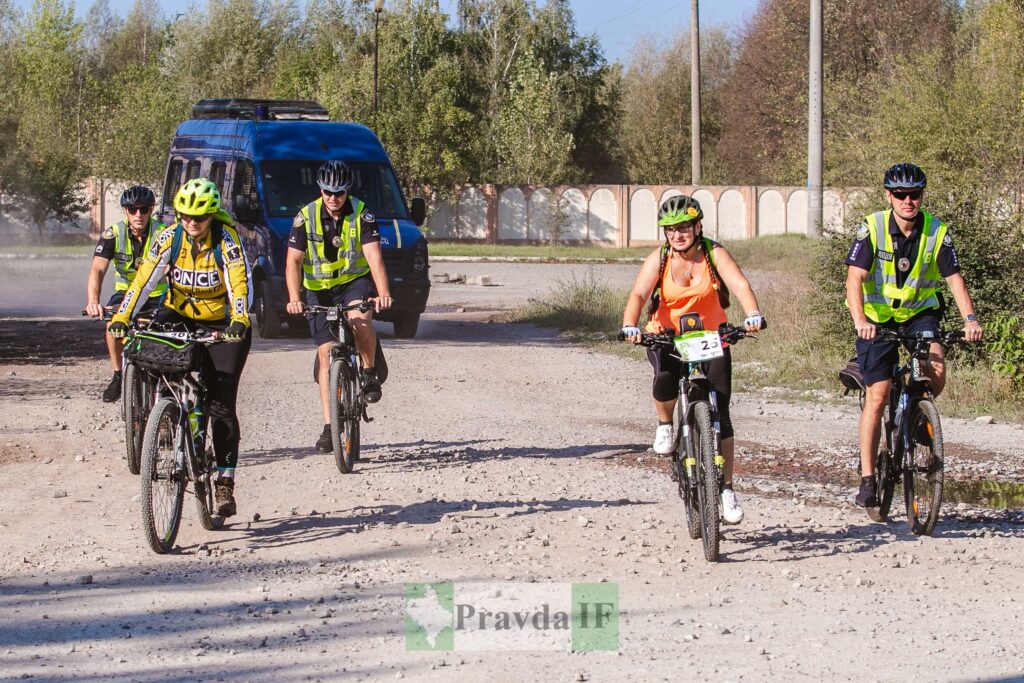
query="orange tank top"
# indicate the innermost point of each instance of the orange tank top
(698, 297)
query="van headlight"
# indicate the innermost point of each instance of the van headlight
(419, 257)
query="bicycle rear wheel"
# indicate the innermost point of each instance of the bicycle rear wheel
(923, 475)
(344, 426)
(686, 491)
(163, 475)
(708, 493)
(203, 490)
(885, 479)
(133, 404)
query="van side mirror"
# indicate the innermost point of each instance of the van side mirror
(419, 210)
(244, 210)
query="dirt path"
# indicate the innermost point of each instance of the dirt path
(499, 453)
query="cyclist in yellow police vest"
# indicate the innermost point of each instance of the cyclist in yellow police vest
(124, 243)
(334, 253)
(895, 267)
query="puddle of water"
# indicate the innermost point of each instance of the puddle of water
(989, 494)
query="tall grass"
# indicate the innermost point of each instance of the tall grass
(796, 353)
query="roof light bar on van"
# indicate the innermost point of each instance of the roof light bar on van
(259, 110)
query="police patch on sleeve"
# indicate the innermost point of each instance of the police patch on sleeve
(862, 231)
(368, 217)
(108, 234)
(299, 220)
(99, 248)
(948, 240)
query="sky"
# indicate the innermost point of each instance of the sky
(617, 23)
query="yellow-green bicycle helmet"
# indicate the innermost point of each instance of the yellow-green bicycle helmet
(197, 197)
(679, 209)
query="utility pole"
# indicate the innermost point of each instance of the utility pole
(814, 121)
(695, 155)
(378, 7)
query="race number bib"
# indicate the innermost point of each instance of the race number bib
(695, 347)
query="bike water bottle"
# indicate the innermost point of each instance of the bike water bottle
(193, 420)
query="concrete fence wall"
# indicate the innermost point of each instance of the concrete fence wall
(624, 215)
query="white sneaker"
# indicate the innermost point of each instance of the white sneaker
(663, 441)
(732, 513)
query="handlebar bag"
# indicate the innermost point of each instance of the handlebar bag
(159, 354)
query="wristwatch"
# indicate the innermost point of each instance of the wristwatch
(971, 317)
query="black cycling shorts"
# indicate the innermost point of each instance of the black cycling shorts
(668, 371)
(877, 358)
(342, 295)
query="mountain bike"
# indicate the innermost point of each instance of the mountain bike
(912, 451)
(136, 395)
(346, 403)
(697, 460)
(174, 450)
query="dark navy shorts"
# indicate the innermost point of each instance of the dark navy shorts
(342, 295)
(878, 358)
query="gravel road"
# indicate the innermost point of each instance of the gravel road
(498, 453)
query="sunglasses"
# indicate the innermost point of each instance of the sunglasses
(683, 227)
(185, 218)
(340, 193)
(903, 194)
(137, 209)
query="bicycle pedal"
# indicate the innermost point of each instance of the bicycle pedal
(366, 417)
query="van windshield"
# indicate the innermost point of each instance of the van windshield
(290, 185)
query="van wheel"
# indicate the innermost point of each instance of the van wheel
(268, 322)
(405, 327)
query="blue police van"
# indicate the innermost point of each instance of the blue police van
(263, 155)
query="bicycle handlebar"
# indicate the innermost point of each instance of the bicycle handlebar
(946, 339)
(362, 306)
(730, 334)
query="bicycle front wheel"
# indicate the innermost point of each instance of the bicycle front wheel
(686, 491)
(133, 404)
(924, 475)
(163, 475)
(344, 426)
(708, 489)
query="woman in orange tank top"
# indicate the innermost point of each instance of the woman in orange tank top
(689, 283)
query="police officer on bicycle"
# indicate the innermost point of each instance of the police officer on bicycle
(895, 268)
(334, 254)
(124, 243)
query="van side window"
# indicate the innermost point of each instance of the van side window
(193, 170)
(217, 171)
(245, 182)
(172, 182)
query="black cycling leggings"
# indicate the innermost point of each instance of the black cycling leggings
(668, 371)
(220, 369)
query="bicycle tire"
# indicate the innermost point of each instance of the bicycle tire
(202, 487)
(708, 492)
(685, 491)
(885, 478)
(133, 400)
(162, 502)
(922, 482)
(344, 430)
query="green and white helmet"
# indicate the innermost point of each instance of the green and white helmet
(679, 209)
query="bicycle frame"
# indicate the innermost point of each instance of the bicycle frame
(910, 385)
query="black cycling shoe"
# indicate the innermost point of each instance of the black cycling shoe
(371, 386)
(867, 496)
(112, 393)
(325, 443)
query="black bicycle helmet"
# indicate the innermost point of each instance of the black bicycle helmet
(679, 209)
(138, 195)
(334, 176)
(905, 176)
